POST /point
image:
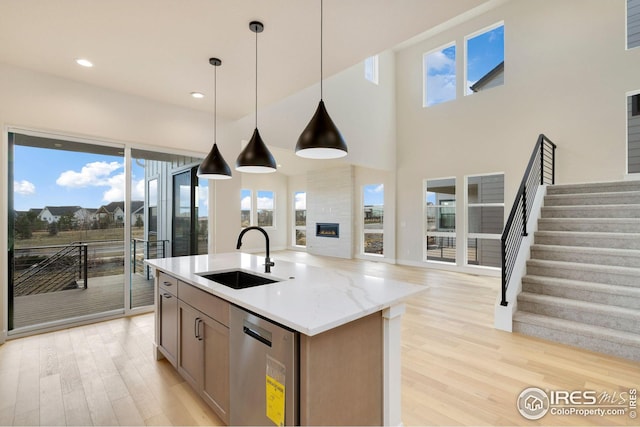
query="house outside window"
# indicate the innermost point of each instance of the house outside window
(440, 220)
(484, 65)
(485, 219)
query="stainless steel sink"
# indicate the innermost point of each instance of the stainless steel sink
(237, 279)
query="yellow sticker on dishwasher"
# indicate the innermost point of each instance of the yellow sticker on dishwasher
(275, 401)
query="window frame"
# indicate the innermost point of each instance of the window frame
(441, 48)
(466, 54)
(438, 234)
(468, 206)
(373, 62)
(366, 230)
(297, 227)
(273, 209)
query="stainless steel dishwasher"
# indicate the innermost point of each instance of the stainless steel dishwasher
(263, 371)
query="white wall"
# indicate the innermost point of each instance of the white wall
(566, 75)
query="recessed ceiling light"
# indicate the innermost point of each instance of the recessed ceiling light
(197, 95)
(84, 62)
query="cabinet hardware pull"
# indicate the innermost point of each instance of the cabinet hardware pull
(167, 283)
(197, 328)
(166, 295)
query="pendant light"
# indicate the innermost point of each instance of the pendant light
(256, 157)
(321, 139)
(214, 166)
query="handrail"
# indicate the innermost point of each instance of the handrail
(540, 171)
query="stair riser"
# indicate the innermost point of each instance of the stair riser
(587, 295)
(582, 316)
(621, 242)
(630, 211)
(587, 275)
(609, 187)
(581, 255)
(592, 226)
(596, 199)
(594, 344)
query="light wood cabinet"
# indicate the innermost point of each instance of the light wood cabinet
(203, 348)
(168, 318)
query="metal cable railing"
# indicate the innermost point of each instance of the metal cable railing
(540, 171)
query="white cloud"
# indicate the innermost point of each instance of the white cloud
(438, 61)
(24, 188)
(137, 190)
(94, 174)
(265, 202)
(441, 88)
(378, 189)
(301, 201)
(115, 193)
(245, 203)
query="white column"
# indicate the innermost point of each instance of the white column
(392, 386)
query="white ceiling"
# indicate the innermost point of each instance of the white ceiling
(160, 49)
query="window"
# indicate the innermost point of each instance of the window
(373, 219)
(439, 68)
(633, 23)
(300, 215)
(245, 208)
(485, 219)
(485, 59)
(440, 220)
(265, 204)
(371, 69)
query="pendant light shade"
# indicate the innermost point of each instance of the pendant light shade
(256, 157)
(321, 139)
(214, 166)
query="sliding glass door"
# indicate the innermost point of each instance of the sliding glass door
(81, 226)
(67, 229)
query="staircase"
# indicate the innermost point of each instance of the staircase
(582, 286)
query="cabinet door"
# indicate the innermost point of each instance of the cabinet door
(168, 315)
(190, 362)
(216, 367)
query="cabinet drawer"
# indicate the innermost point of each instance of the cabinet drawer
(212, 306)
(168, 283)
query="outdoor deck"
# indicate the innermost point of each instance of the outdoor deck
(102, 294)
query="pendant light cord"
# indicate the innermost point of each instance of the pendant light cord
(256, 79)
(321, 89)
(215, 103)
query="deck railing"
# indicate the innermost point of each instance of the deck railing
(540, 171)
(50, 268)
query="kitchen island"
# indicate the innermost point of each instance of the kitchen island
(347, 336)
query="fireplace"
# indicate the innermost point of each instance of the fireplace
(327, 229)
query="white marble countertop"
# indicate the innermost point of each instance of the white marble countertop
(310, 300)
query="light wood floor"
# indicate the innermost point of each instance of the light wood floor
(457, 370)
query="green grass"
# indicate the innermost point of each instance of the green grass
(43, 238)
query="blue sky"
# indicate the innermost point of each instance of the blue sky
(484, 51)
(48, 177)
(373, 194)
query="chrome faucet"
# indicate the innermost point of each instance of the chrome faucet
(267, 261)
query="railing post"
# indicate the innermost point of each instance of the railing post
(542, 161)
(524, 212)
(553, 164)
(86, 268)
(134, 255)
